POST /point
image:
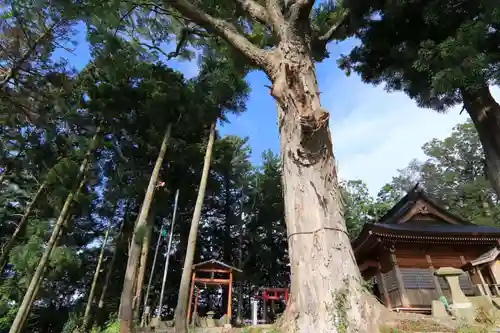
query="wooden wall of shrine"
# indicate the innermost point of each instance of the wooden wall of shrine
(405, 273)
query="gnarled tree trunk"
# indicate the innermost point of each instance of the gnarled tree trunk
(183, 297)
(126, 300)
(485, 113)
(326, 289)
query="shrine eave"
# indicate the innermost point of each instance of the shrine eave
(373, 234)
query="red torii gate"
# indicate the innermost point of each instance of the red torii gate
(272, 294)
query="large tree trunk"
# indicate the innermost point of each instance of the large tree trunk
(126, 300)
(143, 265)
(183, 297)
(485, 113)
(88, 307)
(20, 226)
(326, 289)
(30, 294)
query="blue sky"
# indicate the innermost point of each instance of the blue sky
(375, 133)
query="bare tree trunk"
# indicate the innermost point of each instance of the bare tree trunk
(88, 307)
(126, 300)
(143, 265)
(36, 279)
(326, 287)
(37, 288)
(20, 226)
(183, 297)
(485, 113)
(118, 241)
(239, 309)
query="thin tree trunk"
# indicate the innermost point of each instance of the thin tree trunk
(126, 311)
(88, 307)
(326, 290)
(239, 309)
(183, 297)
(20, 226)
(228, 241)
(30, 295)
(485, 113)
(118, 242)
(37, 288)
(143, 265)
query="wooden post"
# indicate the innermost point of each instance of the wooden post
(399, 278)
(195, 310)
(469, 276)
(485, 286)
(434, 277)
(193, 277)
(381, 279)
(230, 298)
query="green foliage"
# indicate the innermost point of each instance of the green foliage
(454, 174)
(431, 50)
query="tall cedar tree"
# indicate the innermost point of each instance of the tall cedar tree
(291, 38)
(441, 53)
(284, 38)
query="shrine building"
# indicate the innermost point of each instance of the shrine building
(401, 251)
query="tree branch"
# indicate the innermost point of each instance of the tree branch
(24, 58)
(224, 29)
(256, 11)
(327, 36)
(276, 16)
(300, 9)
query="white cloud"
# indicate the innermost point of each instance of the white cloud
(375, 133)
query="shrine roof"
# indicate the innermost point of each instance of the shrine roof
(418, 218)
(215, 264)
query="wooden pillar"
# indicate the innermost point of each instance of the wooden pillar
(485, 286)
(195, 310)
(399, 278)
(380, 278)
(462, 259)
(230, 298)
(480, 286)
(193, 278)
(434, 277)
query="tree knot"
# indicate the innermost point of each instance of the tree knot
(312, 122)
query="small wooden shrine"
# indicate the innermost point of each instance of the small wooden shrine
(211, 272)
(401, 251)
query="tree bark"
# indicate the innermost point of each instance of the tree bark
(180, 316)
(126, 300)
(20, 226)
(326, 290)
(485, 114)
(88, 307)
(30, 294)
(143, 265)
